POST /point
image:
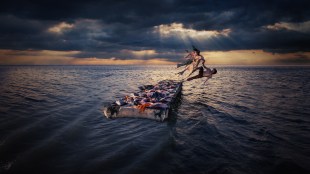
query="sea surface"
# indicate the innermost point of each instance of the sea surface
(245, 120)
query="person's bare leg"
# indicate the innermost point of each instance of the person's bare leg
(200, 75)
(194, 77)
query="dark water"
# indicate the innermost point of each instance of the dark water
(245, 120)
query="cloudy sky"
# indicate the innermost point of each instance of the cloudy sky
(88, 32)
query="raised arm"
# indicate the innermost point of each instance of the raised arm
(189, 56)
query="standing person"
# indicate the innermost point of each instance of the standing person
(198, 61)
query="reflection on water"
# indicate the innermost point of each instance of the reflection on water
(245, 120)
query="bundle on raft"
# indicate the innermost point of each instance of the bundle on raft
(152, 102)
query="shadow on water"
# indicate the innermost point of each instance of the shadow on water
(173, 113)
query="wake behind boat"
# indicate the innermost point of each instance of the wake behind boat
(151, 102)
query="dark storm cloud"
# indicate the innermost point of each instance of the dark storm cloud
(106, 28)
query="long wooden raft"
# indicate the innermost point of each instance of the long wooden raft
(151, 102)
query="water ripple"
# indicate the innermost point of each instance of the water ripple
(245, 120)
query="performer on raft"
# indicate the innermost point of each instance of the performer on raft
(198, 60)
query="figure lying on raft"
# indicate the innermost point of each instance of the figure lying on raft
(195, 61)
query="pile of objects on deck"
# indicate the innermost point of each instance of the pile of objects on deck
(152, 101)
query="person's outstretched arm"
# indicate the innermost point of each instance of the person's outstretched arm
(188, 55)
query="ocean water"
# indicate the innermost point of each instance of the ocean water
(245, 120)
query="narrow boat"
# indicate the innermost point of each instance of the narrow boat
(151, 102)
